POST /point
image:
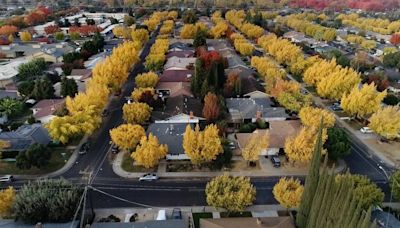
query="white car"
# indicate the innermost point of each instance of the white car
(148, 177)
(366, 130)
(7, 178)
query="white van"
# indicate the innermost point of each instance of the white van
(366, 130)
(161, 215)
(6, 178)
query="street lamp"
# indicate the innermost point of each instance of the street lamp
(391, 191)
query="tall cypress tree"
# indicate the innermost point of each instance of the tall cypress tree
(311, 183)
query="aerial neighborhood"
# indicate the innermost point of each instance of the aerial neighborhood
(203, 114)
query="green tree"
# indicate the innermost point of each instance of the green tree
(25, 88)
(198, 77)
(366, 192)
(311, 183)
(129, 20)
(231, 193)
(337, 144)
(395, 184)
(43, 89)
(200, 38)
(53, 200)
(68, 87)
(59, 36)
(11, 106)
(31, 69)
(37, 155)
(189, 17)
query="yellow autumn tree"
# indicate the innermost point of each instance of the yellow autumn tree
(219, 30)
(146, 80)
(202, 146)
(288, 192)
(243, 47)
(25, 36)
(299, 148)
(233, 194)
(386, 122)
(127, 136)
(122, 32)
(311, 117)
(149, 151)
(7, 197)
(141, 35)
(257, 142)
(281, 86)
(294, 101)
(363, 101)
(136, 112)
(188, 31)
(138, 92)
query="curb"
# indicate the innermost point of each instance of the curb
(68, 165)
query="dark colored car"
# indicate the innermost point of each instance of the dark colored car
(105, 113)
(276, 161)
(84, 148)
(176, 213)
(114, 149)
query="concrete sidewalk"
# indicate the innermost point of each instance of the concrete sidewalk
(266, 170)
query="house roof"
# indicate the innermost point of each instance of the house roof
(235, 61)
(11, 223)
(34, 48)
(175, 88)
(10, 94)
(179, 63)
(84, 73)
(10, 69)
(176, 76)
(271, 222)
(180, 54)
(243, 138)
(147, 224)
(218, 45)
(180, 105)
(24, 136)
(247, 108)
(281, 130)
(170, 134)
(47, 107)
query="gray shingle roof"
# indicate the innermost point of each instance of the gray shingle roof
(25, 136)
(247, 108)
(147, 224)
(170, 134)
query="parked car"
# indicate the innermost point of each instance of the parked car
(84, 148)
(276, 161)
(366, 130)
(161, 215)
(176, 213)
(148, 177)
(7, 178)
(114, 149)
(336, 107)
(128, 100)
(232, 145)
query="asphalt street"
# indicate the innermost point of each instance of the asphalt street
(109, 190)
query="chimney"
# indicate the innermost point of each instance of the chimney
(191, 115)
(258, 114)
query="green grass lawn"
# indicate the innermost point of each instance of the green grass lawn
(198, 216)
(127, 165)
(57, 161)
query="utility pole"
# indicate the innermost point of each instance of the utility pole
(88, 176)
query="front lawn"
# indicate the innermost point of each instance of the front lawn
(127, 165)
(58, 159)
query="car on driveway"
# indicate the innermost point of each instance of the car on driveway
(366, 130)
(6, 178)
(149, 177)
(276, 162)
(176, 213)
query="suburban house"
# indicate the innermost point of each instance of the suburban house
(248, 82)
(180, 54)
(45, 110)
(94, 59)
(275, 222)
(248, 110)
(9, 70)
(25, 136)
(173, 89)
(180, 109)
(170, 134)
(180, 46)
(176, 76)
(81, 77)
(170, 223)
(31, 50)
(176, 63)
(219, 45)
